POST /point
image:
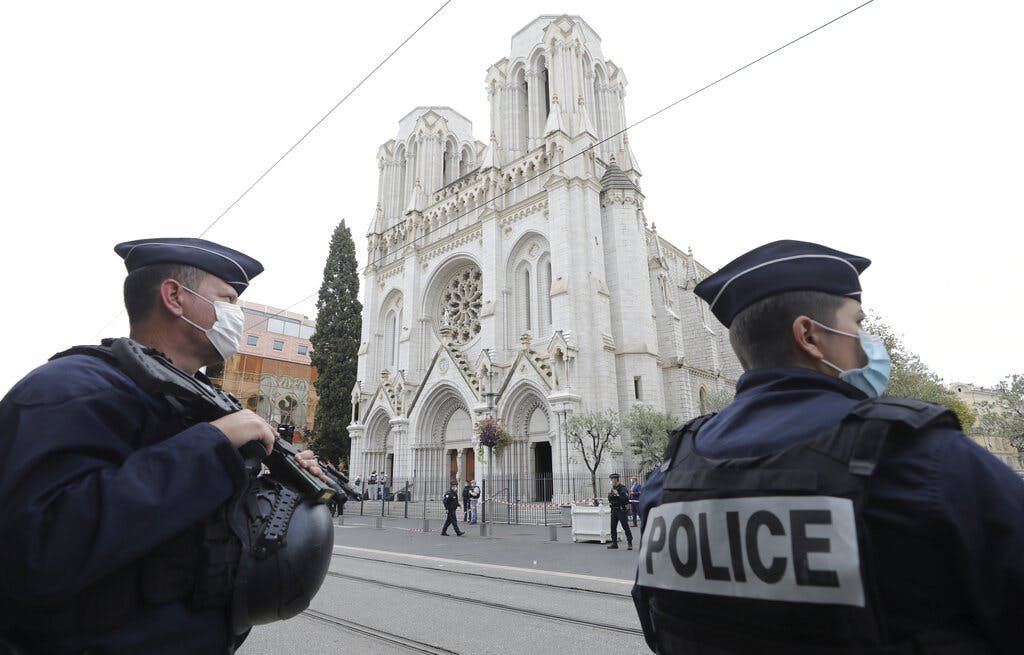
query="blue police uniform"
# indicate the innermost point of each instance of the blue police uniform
(943, 516)
(96, 475)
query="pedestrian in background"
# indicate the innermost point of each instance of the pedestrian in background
(451, 503)
(634, 498)
(474, 500)
(465, 502)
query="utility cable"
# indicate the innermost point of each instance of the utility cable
(628, 127)
(303, 138)
(325, 116)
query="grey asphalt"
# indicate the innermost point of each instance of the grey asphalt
(511, 591)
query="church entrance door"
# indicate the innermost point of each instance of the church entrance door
(470, 465)
(543, 470)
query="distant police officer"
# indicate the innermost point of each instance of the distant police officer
(618, 500)
(107, 495)
(812, 516)
(451, 503)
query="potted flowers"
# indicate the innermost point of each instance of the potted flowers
(491, 434)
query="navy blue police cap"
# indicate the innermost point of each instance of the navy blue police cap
(614, 476)
(776, 268)
(234, 267)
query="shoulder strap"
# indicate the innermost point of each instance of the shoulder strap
(677, 436)
(869, 423)
(156, 374)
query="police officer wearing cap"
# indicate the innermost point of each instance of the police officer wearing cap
(106, 496)
(812, 515)
(618, 501)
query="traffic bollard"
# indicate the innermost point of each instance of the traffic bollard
(552, 533)
(380, 522)
(426, 525)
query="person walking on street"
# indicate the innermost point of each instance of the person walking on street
(618, 499)
(634, 498)
(451, 503)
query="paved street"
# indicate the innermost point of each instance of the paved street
(400, 590)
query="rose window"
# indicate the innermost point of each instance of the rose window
(461, 300)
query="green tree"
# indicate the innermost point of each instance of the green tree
(1004, 417)
(648, 429)
(335, 346)
(911, 377)
(591, 434)
(717, 400)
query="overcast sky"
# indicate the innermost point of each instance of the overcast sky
(895, 134)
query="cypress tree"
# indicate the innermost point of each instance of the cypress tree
(335, 346)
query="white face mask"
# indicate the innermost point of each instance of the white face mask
(226, 332)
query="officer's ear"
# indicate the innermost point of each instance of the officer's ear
(169, 296)
(805, 340)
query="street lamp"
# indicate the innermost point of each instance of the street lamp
(489, 395)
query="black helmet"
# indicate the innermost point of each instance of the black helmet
(287, 543)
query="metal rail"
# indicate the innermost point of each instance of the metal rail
(375, 633)
(446, 571)
(478, 602)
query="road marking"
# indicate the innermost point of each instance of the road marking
(500, 567)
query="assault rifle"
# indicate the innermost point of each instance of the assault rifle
(340, 480)
(199, 402)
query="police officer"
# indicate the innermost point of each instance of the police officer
(104, 488)
(451, 503)
(618, 500)
(810, 515)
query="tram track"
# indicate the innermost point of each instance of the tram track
(479, 602)
(411, 645)
(531, 583)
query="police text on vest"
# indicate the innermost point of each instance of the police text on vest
(787, 548)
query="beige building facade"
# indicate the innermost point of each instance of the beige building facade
(975, 397)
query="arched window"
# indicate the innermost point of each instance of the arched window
(403, 182)
(596, 114)
(391, 341)
(526, 291)
(703, 400)
(448, 171)
(522, 112)
(465, 162)
(544, 295)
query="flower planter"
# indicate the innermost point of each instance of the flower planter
(591, 523)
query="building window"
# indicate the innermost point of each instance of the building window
(637, 388)
(251, 340)
(303, 350)
(278, 345)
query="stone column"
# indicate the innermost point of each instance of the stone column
(355, 453)
(400, 438)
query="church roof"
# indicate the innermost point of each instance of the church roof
(614, 178)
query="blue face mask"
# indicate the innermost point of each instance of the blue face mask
(872, 379)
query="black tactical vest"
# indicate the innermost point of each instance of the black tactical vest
(771, 554)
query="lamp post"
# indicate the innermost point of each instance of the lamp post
(489, 395)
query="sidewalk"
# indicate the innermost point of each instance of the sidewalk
(525, 546)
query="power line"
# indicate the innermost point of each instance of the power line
(624, 130)
(301, 139)
(325, 116)
(628, 127)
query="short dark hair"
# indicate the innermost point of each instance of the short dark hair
(141, 285)
(761, 334)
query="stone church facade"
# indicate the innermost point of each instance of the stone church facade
(520, 279)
